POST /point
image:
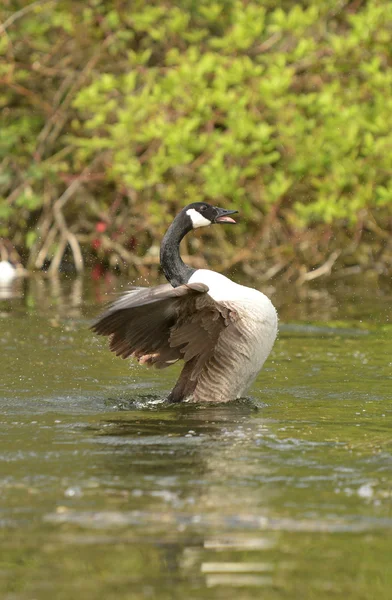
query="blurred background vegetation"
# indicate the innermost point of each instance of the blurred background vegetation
(115, 114)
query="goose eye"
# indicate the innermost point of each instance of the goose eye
(203, 208)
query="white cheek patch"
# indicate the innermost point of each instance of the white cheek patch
(197, 219)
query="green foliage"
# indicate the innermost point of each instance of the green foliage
(279, 111)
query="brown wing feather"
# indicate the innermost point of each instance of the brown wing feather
(139, 323)
(161, 325)
(198, 334)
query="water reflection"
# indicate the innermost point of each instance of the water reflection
(286, 494)
(235, 454)
(11, 290)
(64, 297)
(71, 297)
(232, 497)
(44, 295)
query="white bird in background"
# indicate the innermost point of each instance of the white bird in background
(10, 267)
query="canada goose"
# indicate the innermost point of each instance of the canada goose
(222, 331)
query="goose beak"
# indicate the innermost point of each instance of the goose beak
(222, 215)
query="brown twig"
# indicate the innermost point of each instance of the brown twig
(56, 261)
(21, 13)
(32, 96)
(324, 269)
(50, 132)
(66, 235)
(43, 253)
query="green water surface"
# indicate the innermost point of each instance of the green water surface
(109, 493)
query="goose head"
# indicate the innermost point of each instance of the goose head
(202, 214)
(193, 216)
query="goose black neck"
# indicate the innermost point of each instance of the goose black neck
(176, 271)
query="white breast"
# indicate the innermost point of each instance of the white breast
(222, 289)
(245, 354)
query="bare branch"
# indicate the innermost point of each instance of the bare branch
(67, 235)
(325, 269)
(22, 12)
(43, 253)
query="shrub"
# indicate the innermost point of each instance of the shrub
(134, 111)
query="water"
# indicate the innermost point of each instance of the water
(108, 492)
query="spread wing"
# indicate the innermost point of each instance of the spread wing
(161, 325)
(197, 331)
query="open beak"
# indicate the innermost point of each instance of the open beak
(223, 215)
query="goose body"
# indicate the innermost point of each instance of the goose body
(243, 349)
(222, 331)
